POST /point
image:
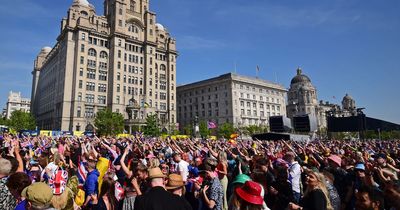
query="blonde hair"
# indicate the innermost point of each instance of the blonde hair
(154, 163)
(322, 186)
(5, 166)
(60, 201)
(222, 157)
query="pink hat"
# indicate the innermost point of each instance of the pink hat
(150, 155)
(336, 159)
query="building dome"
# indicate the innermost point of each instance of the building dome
(347, 97)
(81, 2)
(300, 78)
(348, 102)
(45, 50)
(160, 27)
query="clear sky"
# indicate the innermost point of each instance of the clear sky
(344, 46)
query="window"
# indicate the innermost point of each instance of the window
(117, 99)
(248, 112)
(82, 60)
(79, 96)
(163, 96)
(120, 11)
(103, 75)
(254, 113)
(102, 65)
(80, 83)
(132, 5)
(81, 72)
(254, 105)
(248, 104)
(120, 23)
(163, 106)
(82, 48)
(118, 76)
(83, 36)
(89, 98)
(102, 88)
(90, 86)
(101, 99)
(89, 111)
(92, 52)
(118, 88)
(91, 74)
(103, 54)
(78, 111)
(242, 111)
(91, 63)
(242, 103)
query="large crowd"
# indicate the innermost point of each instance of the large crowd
(140, 173)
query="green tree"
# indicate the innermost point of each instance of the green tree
(3, 121)
(188, 130)
(225, 130)
(108, 122)
(203, 129)
(152, 128)
(20, 120)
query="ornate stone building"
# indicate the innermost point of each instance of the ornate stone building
(302, 100)
(231, 98)
(121, 58)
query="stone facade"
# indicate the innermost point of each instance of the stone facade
(16, 102)
(102, 61)
(302, 100)
(231, 98)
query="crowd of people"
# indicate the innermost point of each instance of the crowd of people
(141, 173)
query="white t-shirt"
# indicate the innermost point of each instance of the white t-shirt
(183, 169)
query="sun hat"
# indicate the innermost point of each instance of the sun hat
(336, 159)
(156, 173)
(58, 181)
(251, 192)
(360, 166)
(174, 181)
(39, 194)
(241, 179)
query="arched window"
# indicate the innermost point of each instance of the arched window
(133, 5)
(92, 52)
(162, 67)
(103, 54)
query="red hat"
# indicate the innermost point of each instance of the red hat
(251, 192)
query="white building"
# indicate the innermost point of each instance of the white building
(16, 102)
(231, 98)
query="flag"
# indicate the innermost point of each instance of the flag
(146, 105)
(258, 68)
(211, 125)
(82, 172)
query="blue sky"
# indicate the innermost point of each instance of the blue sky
(344, 46)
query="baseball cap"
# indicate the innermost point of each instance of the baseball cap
(39, 194)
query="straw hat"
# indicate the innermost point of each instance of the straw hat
(174, 181)
(156, 173)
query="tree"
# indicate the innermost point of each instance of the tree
(203, 129)
(225, 130)
(20, 120)
(108, 122)
(152, 128)
(3, 121)
(188, 130)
